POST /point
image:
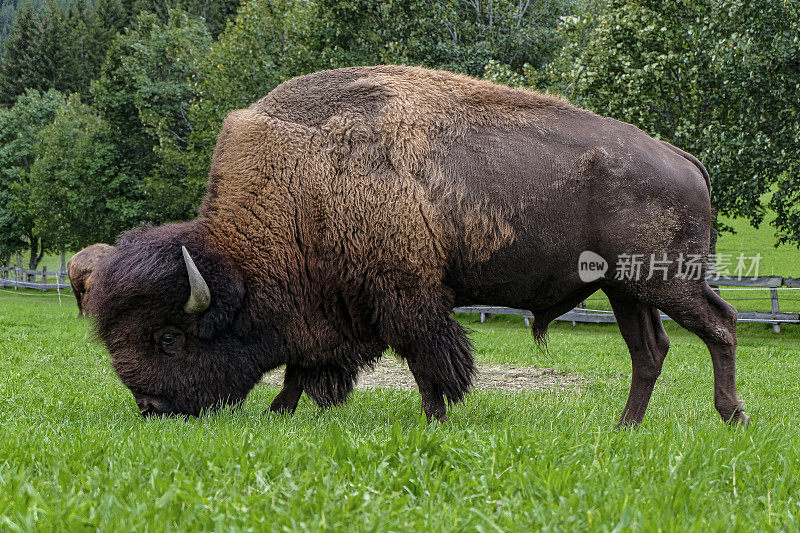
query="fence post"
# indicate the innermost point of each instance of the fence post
(773, 296)
(44, 278)
(580, 306)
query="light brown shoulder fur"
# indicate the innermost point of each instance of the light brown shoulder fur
(347, 163)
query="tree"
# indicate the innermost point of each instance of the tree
(19, 70)
(19, 130)
(144, 91)
(265, 45)
(53, 48)
(696, 74)
(165, 65)
(113, 16)
(77, 196)
(216, 14)
(462, 36)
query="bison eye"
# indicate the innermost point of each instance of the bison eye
(170, 341)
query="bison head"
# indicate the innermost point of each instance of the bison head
(169, 308)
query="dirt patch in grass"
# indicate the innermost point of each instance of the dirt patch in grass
(393, 374)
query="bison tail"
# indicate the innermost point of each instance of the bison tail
(696, 162)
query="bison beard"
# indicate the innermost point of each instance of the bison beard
(350, 210)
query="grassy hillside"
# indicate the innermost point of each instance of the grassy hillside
(781, 261)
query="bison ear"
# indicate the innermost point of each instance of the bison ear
(199, 296)
(229, 294)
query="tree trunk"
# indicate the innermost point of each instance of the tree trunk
(37, 252)
(7, 264)
(62, 271)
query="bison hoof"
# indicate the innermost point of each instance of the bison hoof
(437, 416)
(739, 419)
(280, 408)
(628, 424)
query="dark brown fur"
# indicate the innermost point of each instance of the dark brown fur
(350, 210)
(80, 270)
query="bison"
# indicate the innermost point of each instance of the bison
(81, 268)
(350, 210)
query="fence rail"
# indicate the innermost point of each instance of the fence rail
(583, 315)
(20, 278)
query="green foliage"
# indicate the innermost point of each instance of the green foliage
(10, 10)
(164, 66)
(265, 45)
(719, 78)
(19, 69)
(462, 36)
(19, 132)
(113, 16)
(77, 197)
(143, 93)
(216, 14)
(52, 48)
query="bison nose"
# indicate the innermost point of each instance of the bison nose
(147, 407)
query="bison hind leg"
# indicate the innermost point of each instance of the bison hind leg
(641, 328)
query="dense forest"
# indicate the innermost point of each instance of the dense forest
(109, 109)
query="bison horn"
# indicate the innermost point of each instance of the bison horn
(200, 297)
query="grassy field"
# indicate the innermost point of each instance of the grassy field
(74, 452)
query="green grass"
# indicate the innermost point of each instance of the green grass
(779, 261)
(74, 453)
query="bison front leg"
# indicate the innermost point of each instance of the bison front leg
(439, 357)
(286, 400)
(432, 395)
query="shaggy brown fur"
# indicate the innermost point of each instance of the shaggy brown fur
(80, 270)
(350, 210)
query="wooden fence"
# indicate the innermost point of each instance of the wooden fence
(582, 314)
(23, 278)
(57, 279)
